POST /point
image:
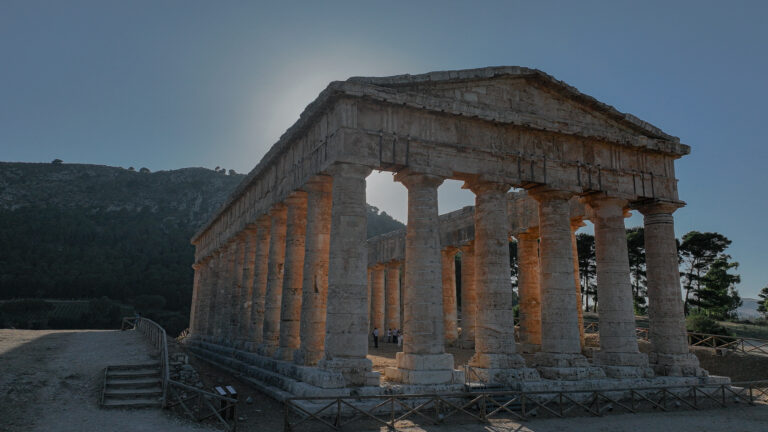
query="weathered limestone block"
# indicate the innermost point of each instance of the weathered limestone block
(238, 264)
(346, 337)
(377, 298)
(226, 290)
(315, 283)
(529, 290)
(290, 313)
(261, 270)
(670, 354)
(194, 316)
(423, 360)
(272, 299)
(618, 340)
(468, 296)
(560, 345)
(210, 313)
(393, 295)
(495, 349)
(450, 313)
(246, 300)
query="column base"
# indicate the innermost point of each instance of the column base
(307, 358)
(424, 369)
(564, 366)
(530, 348)
(266, 350)
(502, 377)
(676, 364)
(497, 361)
(285, 354)
(356, 371)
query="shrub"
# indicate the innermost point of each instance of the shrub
(702, 323)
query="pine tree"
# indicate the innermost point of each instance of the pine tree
(762, 306)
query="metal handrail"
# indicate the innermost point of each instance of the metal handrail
(734, 343)
(156, 335)
(335, 412)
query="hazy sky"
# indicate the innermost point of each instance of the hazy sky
(171, 84)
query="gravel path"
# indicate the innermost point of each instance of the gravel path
(50, 380)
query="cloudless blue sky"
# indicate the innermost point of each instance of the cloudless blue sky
(172, 84)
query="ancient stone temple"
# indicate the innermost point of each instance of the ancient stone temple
(287, 288)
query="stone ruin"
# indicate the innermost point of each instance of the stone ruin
(287, 287)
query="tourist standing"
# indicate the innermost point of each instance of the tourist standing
(375, 337)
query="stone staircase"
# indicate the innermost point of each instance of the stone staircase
(132, 386)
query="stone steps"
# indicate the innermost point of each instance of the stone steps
(132, 386)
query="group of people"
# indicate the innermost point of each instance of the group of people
(392, 336)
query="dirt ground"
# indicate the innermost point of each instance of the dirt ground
(50, 381)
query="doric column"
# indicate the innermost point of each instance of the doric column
(210, 312)
(314, 289)
(369, 298)
(423, 359)
(260, 277)
(194, 316)
(237, 290)
(495, 353)
(246, 300)
(560, 356)
(377, 298)
(226, 291)
(619, 354)
(393, 295)
(575, 225)
(468, 296)
(670, 354)
(346, 336)
(275, 273)
(529, 289)
(450, 314)
(290, 313)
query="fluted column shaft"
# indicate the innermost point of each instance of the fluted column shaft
(315, 283)
(246, 300)
(225, 291)
(290, 313)
(450, 313)
(237, 289)
(468, 296)
(194, 316)
(670, 354)
(210, 312)
(529, 289)
(423, 359)
(377, 298)
(272, 299)
(495, 329)
(618, 340)
(261, 274)
(393, 295)
(346, 337)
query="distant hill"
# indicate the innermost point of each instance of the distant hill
(76, 231)
(748, 309)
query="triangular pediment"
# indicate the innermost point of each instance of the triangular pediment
(529, 95)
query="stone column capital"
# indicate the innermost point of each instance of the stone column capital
(197, 266)
(529, 234)
(652, 207)
(263, 222)
(414, 179)
(394, 264)
(319, 183)
(601, 201)
(450, 251)
(577, 223)
(378, 266)
(297, 198)
(545, 193)
(342, 169)
(277, 208)
(479, 186)
(467, 248)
